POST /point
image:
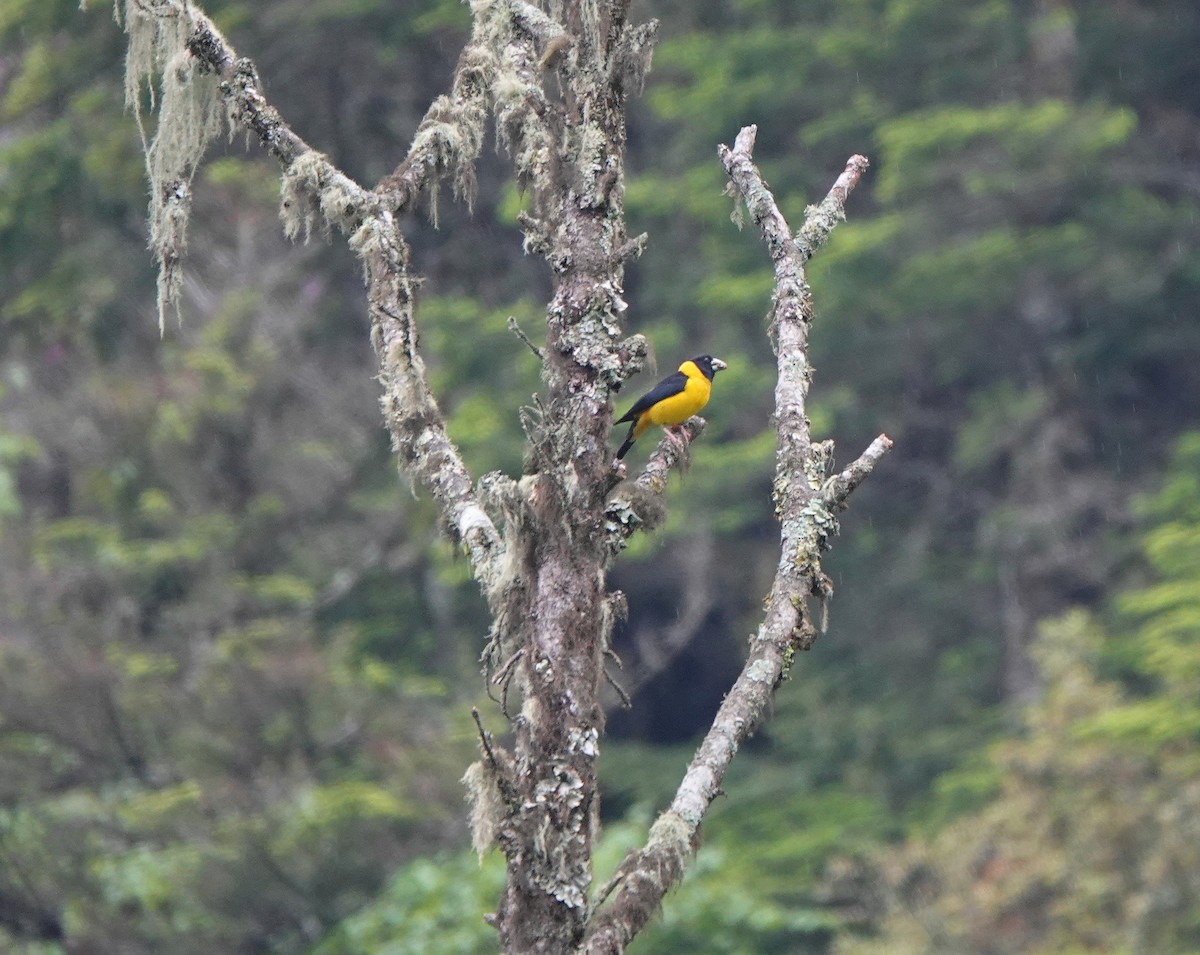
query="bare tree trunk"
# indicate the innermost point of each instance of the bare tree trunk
(539, 545)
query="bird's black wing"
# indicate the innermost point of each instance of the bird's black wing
(671, 385)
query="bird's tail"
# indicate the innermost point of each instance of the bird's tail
(629, 439)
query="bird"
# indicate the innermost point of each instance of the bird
(673, 400)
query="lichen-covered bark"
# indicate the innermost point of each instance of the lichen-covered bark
(539, 545)
(542, 568)
(314, 191)
(805, 504)
(577, 223)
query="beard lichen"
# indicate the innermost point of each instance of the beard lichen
(487, 805)
(313, 191)
(190, 116)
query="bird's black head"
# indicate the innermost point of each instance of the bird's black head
(708, 365)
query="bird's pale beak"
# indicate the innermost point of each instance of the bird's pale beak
(718, 365)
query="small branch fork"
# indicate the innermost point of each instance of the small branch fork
(806, 507)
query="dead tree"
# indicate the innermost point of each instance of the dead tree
(554, 78)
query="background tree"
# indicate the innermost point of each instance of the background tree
(1084, 836)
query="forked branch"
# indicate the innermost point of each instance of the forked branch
(316, 190)
(805, 504)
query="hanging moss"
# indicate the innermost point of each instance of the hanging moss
(190, 116)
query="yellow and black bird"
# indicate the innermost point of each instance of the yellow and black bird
(673, 400)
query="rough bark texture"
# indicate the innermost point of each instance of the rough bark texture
(806, 503)
(540, 545)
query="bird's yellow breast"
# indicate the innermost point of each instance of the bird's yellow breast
(678, 408)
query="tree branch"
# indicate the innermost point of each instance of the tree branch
(838, 488)
(647, 874)
(313, 187)
(820, 220)
(639, 505)
(498, 65)
(245, 105)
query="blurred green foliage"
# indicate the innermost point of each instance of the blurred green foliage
(236, 656)
(1078, 833)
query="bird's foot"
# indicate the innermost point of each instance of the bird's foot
(675, 434)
